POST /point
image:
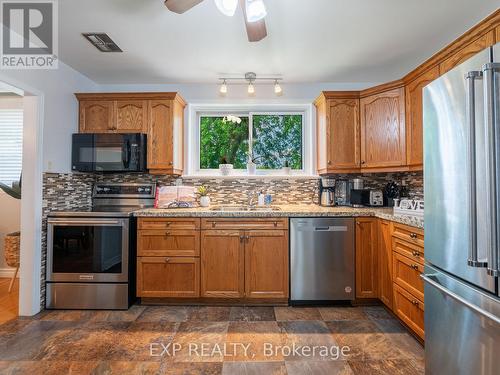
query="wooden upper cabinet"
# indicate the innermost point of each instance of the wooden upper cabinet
(97, 116)
(383, 137)
(266, 264)
(131, 116)
(497, 32)
(385, 262)
(468, 51)
(366, 258)
(159, 115)
(338, 132)
(165, 136)
(222, 264)
(414, 118)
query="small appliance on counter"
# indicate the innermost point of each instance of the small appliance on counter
(343, 192)
(109, 152)
(327, 192)
(91, 252)
(366, 197)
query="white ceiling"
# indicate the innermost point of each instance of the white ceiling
(308, 40)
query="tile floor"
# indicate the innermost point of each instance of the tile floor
(258, 340)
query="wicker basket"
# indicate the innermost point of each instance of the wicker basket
(12, 249)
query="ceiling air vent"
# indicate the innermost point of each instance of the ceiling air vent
(102, 42)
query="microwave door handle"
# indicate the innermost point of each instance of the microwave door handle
(493, 158)
(126, 154)
(471, 78)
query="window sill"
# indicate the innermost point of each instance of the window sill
(251, 177)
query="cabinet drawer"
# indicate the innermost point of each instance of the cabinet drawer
(168, 243)
(410, 234)
(168, 277)
(409, 309)
(409, 250)
(244, 223)
(169, 223)
(406, 273)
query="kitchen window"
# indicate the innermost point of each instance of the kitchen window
(272, 139)
(11, 145)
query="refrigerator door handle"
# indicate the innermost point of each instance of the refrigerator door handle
(471, 78)
(493, 151)
(456, 297)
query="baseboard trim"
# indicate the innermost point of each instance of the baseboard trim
(7, 272)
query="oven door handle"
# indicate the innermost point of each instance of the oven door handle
(83, 222)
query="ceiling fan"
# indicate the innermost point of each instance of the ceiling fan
(254, 12)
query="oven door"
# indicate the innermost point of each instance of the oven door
(87, 249)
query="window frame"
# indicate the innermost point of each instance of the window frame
(193, 138)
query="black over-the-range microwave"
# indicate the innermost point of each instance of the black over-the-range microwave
(95, 152)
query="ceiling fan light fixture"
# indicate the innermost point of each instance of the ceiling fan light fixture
(227, 7)
(223, 88)
(277, 88)
(255, 9)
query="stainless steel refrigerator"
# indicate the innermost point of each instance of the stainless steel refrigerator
(462, 218)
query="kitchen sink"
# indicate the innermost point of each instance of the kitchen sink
(245, 208)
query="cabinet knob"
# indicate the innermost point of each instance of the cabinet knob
(242, 238)
(415, 302)
(416, 253)
(363, 162)
(247, 237)
(167, 233)
(275, 223)
(415, 267)
(168, 223)
(167, 260)
(329, 162)
(171, 163)
(213, 224)
(413, 235)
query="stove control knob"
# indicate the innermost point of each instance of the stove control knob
(140, 190)
(107, 189)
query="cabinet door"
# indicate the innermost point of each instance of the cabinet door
(96, 116)
(468, 51)
(407, 275)
(410, 310)
(131, 116)
(366, 258)
(414, 117)
(266, 264)
(385, 262)
(168, 243)
(344, 135)
(222, 264)
(160, 135)
(168, 277)
(383, 142)
(322, 137)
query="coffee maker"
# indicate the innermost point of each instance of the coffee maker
(343, 192)
(327, 191)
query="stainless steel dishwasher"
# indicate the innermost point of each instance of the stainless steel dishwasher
(322, 259)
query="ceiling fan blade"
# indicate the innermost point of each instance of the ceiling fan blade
(256, 31)
(181, 6)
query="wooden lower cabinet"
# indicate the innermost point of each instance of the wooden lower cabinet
(168, 243)
(222, 264)
(407, 275)
(266, 264)
(168, 277)
(366, 257)
(385, 262)
(409, 309)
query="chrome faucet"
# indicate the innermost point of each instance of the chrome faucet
(251, 198)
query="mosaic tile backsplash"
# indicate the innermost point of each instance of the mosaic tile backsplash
(70, 191)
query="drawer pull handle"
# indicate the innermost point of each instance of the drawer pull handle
(413, 235)
(213, 224)
(167, 260)
(415, 267)
(416, 253)
(275, 223)
(242, 238)
(168, 223)
(414, 302)
(167, 233)
(247, 238)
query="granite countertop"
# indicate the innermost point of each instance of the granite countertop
(287, 211)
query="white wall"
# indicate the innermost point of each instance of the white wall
(209, 93)
(60, 108)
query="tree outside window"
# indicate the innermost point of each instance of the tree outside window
(273, 140)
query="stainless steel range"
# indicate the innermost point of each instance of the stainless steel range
(90, 252)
